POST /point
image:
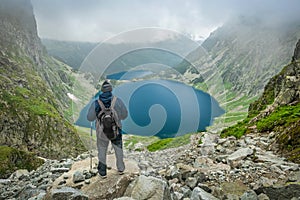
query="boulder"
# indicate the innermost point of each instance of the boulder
(68, 193)
(200, 194)
(283, 192)
(78, 177)
(148, 188)
(238, 155)
(249, 195)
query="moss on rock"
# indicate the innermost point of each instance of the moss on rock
(12, 159)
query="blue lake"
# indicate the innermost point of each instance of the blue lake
(129, 75)
(162, 108)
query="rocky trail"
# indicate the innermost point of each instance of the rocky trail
(208, 168)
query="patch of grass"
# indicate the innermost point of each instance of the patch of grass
(131, 140)
(31, 104)
(282, 116)
(159, 145)
(169, 143)
(237, 130)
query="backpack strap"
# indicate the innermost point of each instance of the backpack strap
(113, 102)
(102, 107)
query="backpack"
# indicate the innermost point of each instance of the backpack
(107, 120)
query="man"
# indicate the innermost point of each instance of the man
(106, 99)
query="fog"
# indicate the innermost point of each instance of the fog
(98, 20)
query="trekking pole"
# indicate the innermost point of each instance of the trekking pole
(91, 158)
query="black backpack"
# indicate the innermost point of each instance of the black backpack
(107, 120)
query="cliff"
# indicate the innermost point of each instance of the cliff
(33, 89)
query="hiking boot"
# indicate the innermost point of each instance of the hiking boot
(103, 176)
(121, 172)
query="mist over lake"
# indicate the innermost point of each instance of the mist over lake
(162, 108)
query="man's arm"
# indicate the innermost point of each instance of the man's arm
(91, 116)
(121, 109)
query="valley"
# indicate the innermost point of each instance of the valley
(216, 119)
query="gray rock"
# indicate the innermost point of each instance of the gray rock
(124, 198)
(191, 182)
(59, 170)
(186, 191)
(239, 155)
(67, 193)
(78, 177)
(232, 197)
(5, 181)
(177, 196)
(172, 173)
(30, 192)
(149, 188)
(40, 196)
(19, 174)
(249, 195)
(263, 196)
(284, 192)
(200, 194)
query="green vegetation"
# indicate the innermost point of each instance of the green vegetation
(282, 116)
(169, 143)
(12, 159)
(237, 130)
(22, 99)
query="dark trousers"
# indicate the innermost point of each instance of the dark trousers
(102, 145)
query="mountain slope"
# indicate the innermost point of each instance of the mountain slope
(241, 56)
(277, 111)
(33, 89)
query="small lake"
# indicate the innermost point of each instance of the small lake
(163, 108)
(129, 75)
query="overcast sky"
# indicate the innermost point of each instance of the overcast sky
(98, 20)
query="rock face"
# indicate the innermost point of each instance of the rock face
(33, 89)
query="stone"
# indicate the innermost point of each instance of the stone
(263, 196)
(177, 196)
(232, 197)
(249, 195)
(191, 182)
(78, 177)
(59, 170)
(62, 182)
(149, 188)
(124, 198)
(5, 181)
(238, 155)
(19, 174)
(68, 193)
(280, 192)
(201, 162)
(40, 196)
(186, 191)
(200, 194)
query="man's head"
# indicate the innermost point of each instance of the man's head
(106, 86)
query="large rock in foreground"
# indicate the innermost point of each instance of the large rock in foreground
(148, 188)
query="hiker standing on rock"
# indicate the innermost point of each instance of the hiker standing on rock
(108, 111)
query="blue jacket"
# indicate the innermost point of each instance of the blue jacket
(106, 98)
